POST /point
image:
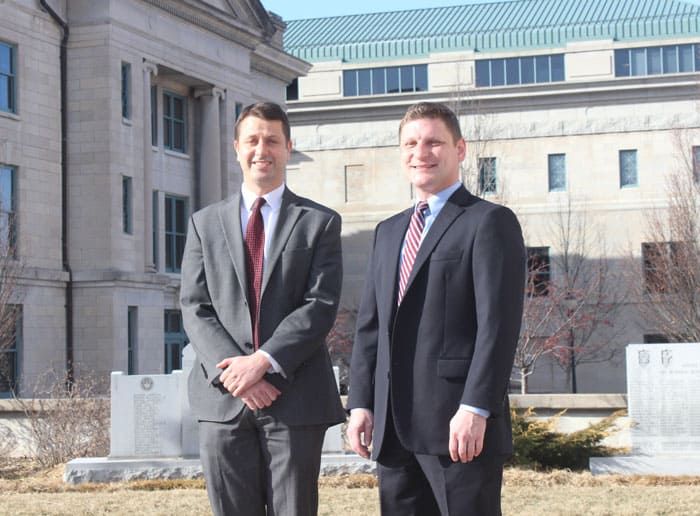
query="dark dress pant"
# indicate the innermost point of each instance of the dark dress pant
(412, 484)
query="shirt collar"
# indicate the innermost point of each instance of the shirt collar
(273, 198)
(438, 200)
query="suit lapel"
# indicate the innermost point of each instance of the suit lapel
(391, 255)
(230, 218)
(287, 218)
(452, 209)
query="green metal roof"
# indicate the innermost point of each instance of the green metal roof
(508, 25)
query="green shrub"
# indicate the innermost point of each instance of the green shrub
(536, 443)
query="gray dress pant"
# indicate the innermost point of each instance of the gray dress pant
(257, 466)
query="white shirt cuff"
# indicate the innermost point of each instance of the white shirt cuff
(476, 410)
(274, 365)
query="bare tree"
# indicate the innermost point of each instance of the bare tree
(10, 298)
(671, 256)
(590, 295)
(572, 300)
(339, 342)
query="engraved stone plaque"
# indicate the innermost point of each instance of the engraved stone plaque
(663, 386)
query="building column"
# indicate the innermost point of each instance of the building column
(210, 175)
(148, 70)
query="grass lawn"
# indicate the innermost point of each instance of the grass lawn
(26, 490)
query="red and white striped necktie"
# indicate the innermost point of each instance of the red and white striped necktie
(413, 235)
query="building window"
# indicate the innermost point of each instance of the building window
(8, 78)
(628, 168)
(8, 220)
(663, 263)
(154, 116)
(520, 70)
(641, 61)
(132, 321)
(696, 163)
(538, 271)
(487, 175)
(155, 209)
(655, 338)
(9, 349)
(385, 80)
(292, 91)
(175, 231)
(238, 109)
(556, 167)
(127, 225)
(126, 90)
(174, 122)
(175, 340)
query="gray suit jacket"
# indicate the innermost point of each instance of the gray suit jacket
(300, 292)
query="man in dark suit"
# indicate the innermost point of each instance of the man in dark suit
(437, 329)
(261, 278)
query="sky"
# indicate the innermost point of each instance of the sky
(295, 10)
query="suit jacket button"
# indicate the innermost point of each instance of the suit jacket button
(248, 345)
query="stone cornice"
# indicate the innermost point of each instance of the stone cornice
(283, 66)
(226, 25)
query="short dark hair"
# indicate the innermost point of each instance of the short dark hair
(267, 111)
(433, 110)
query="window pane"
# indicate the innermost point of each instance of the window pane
(557, 63)
(685, 58)
(178, 108)
(421, 76)
(5, 93)
(180, 216)
(487, 175)
(670, 59)
(406, 78)
(179, 136)
(154, 115)
(6, 59)
(483, 77)
(498, 72)
(639, 61)
(527, 70)
(6, 189)
(350, 83)
(169, 223)
(167, 104)
(622, 63)
(542, 69)
(363, 82)
(557, 172)
(169, 253)
(179, 250)
(628, 168)
(696, 50)
(654, 60)
(392, 79)
(512, 71)
(378, 81)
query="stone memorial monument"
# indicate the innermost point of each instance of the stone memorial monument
(155, 435)
(663, 389)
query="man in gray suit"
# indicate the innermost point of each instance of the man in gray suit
(261, 278)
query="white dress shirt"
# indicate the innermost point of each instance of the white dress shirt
(270, 213)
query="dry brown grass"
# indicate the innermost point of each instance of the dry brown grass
(27, 489)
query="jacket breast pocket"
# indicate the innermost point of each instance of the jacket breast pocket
(447, 255)
(453, 367)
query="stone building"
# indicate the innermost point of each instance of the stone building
(148, 92)
(567, 106)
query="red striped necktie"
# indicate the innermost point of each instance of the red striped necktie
(254, 254)
(412, 243)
